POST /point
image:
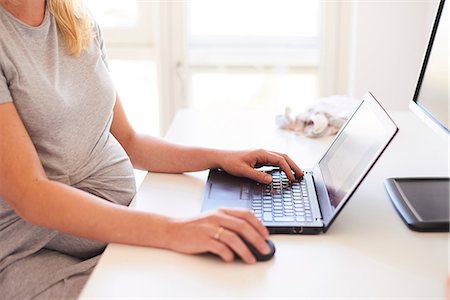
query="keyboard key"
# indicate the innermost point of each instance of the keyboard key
(267, 217)
(284, 219)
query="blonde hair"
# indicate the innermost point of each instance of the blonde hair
(73, 24)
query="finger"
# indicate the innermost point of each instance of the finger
(256, 175)
(250, 218)
(275, 159)
(221, 250)
(292, 164)
(245, 230)
(234, 242)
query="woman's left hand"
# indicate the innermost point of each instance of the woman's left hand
(243, 164)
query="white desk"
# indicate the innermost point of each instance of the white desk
(367, 253)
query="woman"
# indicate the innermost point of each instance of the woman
(62, 154)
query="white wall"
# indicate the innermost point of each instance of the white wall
(389, 42)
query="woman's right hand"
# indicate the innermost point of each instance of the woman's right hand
(220, 232)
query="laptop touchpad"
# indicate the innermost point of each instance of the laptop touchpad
(226, 191)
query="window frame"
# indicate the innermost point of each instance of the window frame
(138, 36)
(235, 51)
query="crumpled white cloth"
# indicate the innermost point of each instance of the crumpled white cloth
(324, 118)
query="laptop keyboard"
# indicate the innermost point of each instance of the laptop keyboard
(282, 201)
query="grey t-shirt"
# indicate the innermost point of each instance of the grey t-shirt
(66, 104)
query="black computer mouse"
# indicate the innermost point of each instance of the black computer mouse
(259, 256)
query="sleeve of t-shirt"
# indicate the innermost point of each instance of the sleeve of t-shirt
(101, 43)
(98, 36)
(5, 95)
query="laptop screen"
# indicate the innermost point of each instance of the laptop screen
(355, 150)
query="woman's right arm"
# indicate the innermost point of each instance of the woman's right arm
(40, 201)
(25, 187)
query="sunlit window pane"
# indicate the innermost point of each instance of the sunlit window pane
(114, 13)
(257, 18)
(139, 93)
(261, 91)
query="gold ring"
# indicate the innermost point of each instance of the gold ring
(219, 233)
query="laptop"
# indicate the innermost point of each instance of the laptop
(310, 204)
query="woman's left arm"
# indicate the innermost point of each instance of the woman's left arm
(156, 155)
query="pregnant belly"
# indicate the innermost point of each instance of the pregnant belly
(115, 183)
(109, 174)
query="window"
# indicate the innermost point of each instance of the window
(223, 54)
(252, 54)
